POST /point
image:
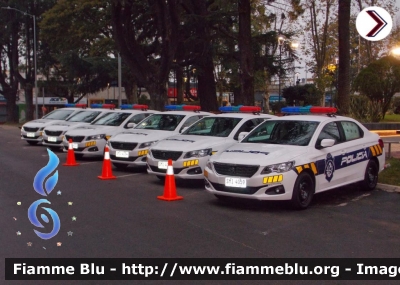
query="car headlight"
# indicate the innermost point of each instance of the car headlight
(280, 167)
(147, 144)
(96, 137)
(198, 153)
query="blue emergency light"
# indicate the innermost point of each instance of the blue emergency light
(240, 109)
(308, 110)
(182, 108)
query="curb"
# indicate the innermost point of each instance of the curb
(388, 188)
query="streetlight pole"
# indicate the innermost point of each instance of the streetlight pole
(281, 40)
(34, 53)
(119, 81)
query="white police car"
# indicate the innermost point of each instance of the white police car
(293, 157)
(131, 147)
(191, 150)
(91, 139)
(32, 131)
(53, 135)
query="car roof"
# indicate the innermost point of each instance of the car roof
(244, 115)
(316, 118)
(186, 113)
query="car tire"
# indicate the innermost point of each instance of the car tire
(370, 177)
(32, 142)
(120, 166)
(303, 191)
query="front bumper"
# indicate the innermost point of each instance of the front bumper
(52, 140)
(136, 157)
(188, 168)
(92, 147)
(32, 136)
(274, 186)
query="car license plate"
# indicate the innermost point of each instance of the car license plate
(52, 139)
(74, 145)
(124, 154)
(235, 182)
(30, 135)
(162, 164)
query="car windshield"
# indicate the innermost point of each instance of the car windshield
(112, 119)
(58, 114)
(163, 122)
(283, 132)
(213, 126)
(84, 116)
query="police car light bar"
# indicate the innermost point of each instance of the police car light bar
(75, 105)
(134, 106)
(182, 108)
(240, 109)
(308, 110)
(103, 106)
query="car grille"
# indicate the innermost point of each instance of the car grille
(164, 155)
(75, 139)
(58, 143)
(53, 133)
(248, 190)
(235, 169)
(123, 145)
(27, 129)
(156, 169)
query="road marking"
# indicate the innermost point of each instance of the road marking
(88, 162)
(360, 197)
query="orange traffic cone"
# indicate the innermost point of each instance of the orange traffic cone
(169, 187)
(70, 155)
(106, 173)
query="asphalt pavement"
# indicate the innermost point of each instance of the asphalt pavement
(123, 218)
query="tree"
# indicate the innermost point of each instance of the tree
(306, 94)
(343, 96)
(379, 81)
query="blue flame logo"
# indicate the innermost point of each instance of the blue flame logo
(49, 184)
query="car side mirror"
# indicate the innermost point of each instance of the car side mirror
(242, 135)
(131, 125)
(327, 143)
(184, 129)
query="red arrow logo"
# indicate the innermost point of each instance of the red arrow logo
(380, 23)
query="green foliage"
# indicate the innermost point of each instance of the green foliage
(365, 110)
(143, 100)
(277, 106)
(379, 81)
(391, 174)
(307, 94)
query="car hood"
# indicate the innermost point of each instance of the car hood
(62, 126)
(140, 136)
(41, 123)
(189, 142)
(90, 130)
(264, 154)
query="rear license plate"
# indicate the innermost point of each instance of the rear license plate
(30, 135)
(52, 139)
(162, 164)
(124, 154)
(235, 182)
(74, 145)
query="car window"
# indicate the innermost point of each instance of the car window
(330, 131)
(351, 130)
(283, 132)
(58, 114)
(213, 126)
(84, 116)
(190, 121)
(163, 122)
(247, 127)
(136, 119)
(112, 119)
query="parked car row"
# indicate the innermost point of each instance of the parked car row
(239, 153)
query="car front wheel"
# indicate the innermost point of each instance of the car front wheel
(303, 191)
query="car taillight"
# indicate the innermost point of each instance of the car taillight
(381, 143)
